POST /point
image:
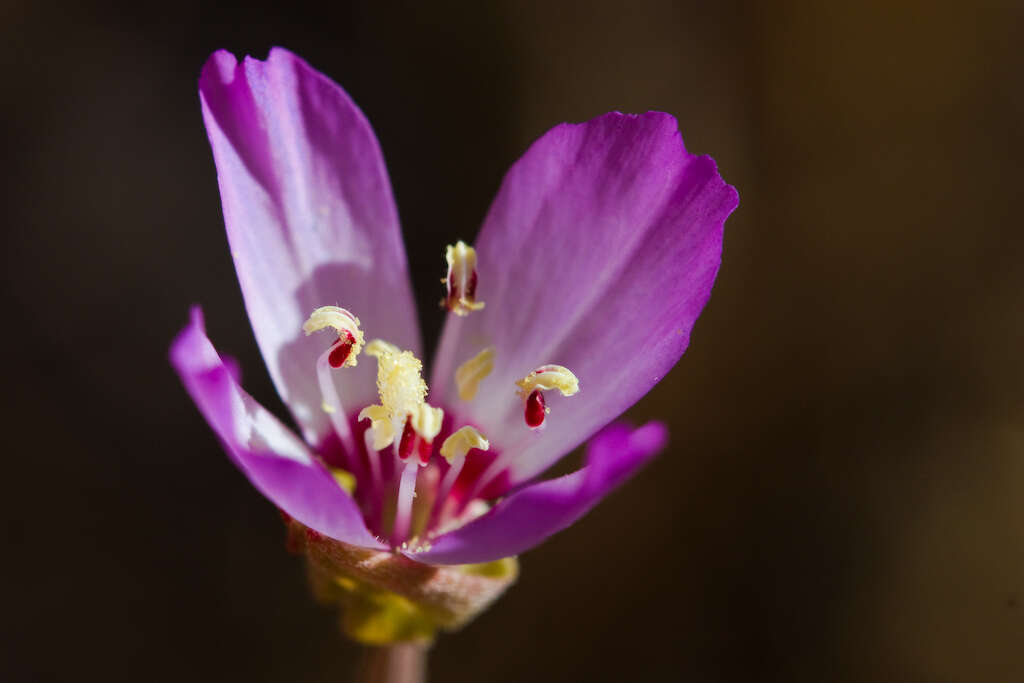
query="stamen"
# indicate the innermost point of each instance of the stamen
(535, 409)
(454, 450)
(461, 280)
(460, 443)
(473, 371)
(403, 506)
(341, 351)
(350, 338)
(427, 421)
(381, 429)
(544, 378)
(330, 403)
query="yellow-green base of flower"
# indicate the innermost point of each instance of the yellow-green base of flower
(387, 598)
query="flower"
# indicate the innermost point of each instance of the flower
(597, 256)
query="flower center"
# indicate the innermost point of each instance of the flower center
(399, 503)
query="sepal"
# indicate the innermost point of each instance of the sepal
(385, 597)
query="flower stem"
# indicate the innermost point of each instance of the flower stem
(397, 663)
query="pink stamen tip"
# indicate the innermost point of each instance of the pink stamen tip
(341, 350)
(535, 410)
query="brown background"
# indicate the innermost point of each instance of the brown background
(843, 499)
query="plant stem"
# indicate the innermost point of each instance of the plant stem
(398, 663)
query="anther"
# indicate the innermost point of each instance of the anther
(461, 280)
(473, 371)
(462, 442)
(350, 338)
(544, 378)
(455, 449)
(380, 425)
(536, 410)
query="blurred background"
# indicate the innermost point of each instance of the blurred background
(843, 497)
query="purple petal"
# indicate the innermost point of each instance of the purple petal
(528, 517)
(309, 216)
(598, 254)
(276, 461)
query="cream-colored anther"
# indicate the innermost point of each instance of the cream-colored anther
(427, 421)
(461, 442)
(549, 377)
(381, 428)
(343, 322)
(470, 373)
(461, 280)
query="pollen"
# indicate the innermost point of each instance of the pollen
(461, 442)
(461, 280)
(350, 337)
(544, 378)
(473, 371)
(402, 414)
(399, 381)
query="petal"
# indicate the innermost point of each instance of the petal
(276, 461)
(309, 216)
(528, 517)
(598, 254)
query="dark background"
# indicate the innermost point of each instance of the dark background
(843, 498)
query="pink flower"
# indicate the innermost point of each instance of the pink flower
(592, 265)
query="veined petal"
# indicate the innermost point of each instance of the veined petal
(276, 461)
(528, 517)
(310, 218)
(598, 254)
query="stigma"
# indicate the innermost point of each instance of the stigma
(461, 280)
(544, 378)
(403, 418)
(350, 338)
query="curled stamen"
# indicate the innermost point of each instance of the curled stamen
(381, 429)
(454, 450)
(544, 378)
(462, 442)
(427, 421)
(473, 371)
(461, 280)
(350, 338)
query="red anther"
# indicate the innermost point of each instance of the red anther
(340, 352)
(426, 448)
(535, 410)
(471, 286)
(313, 534)
(408, 442)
